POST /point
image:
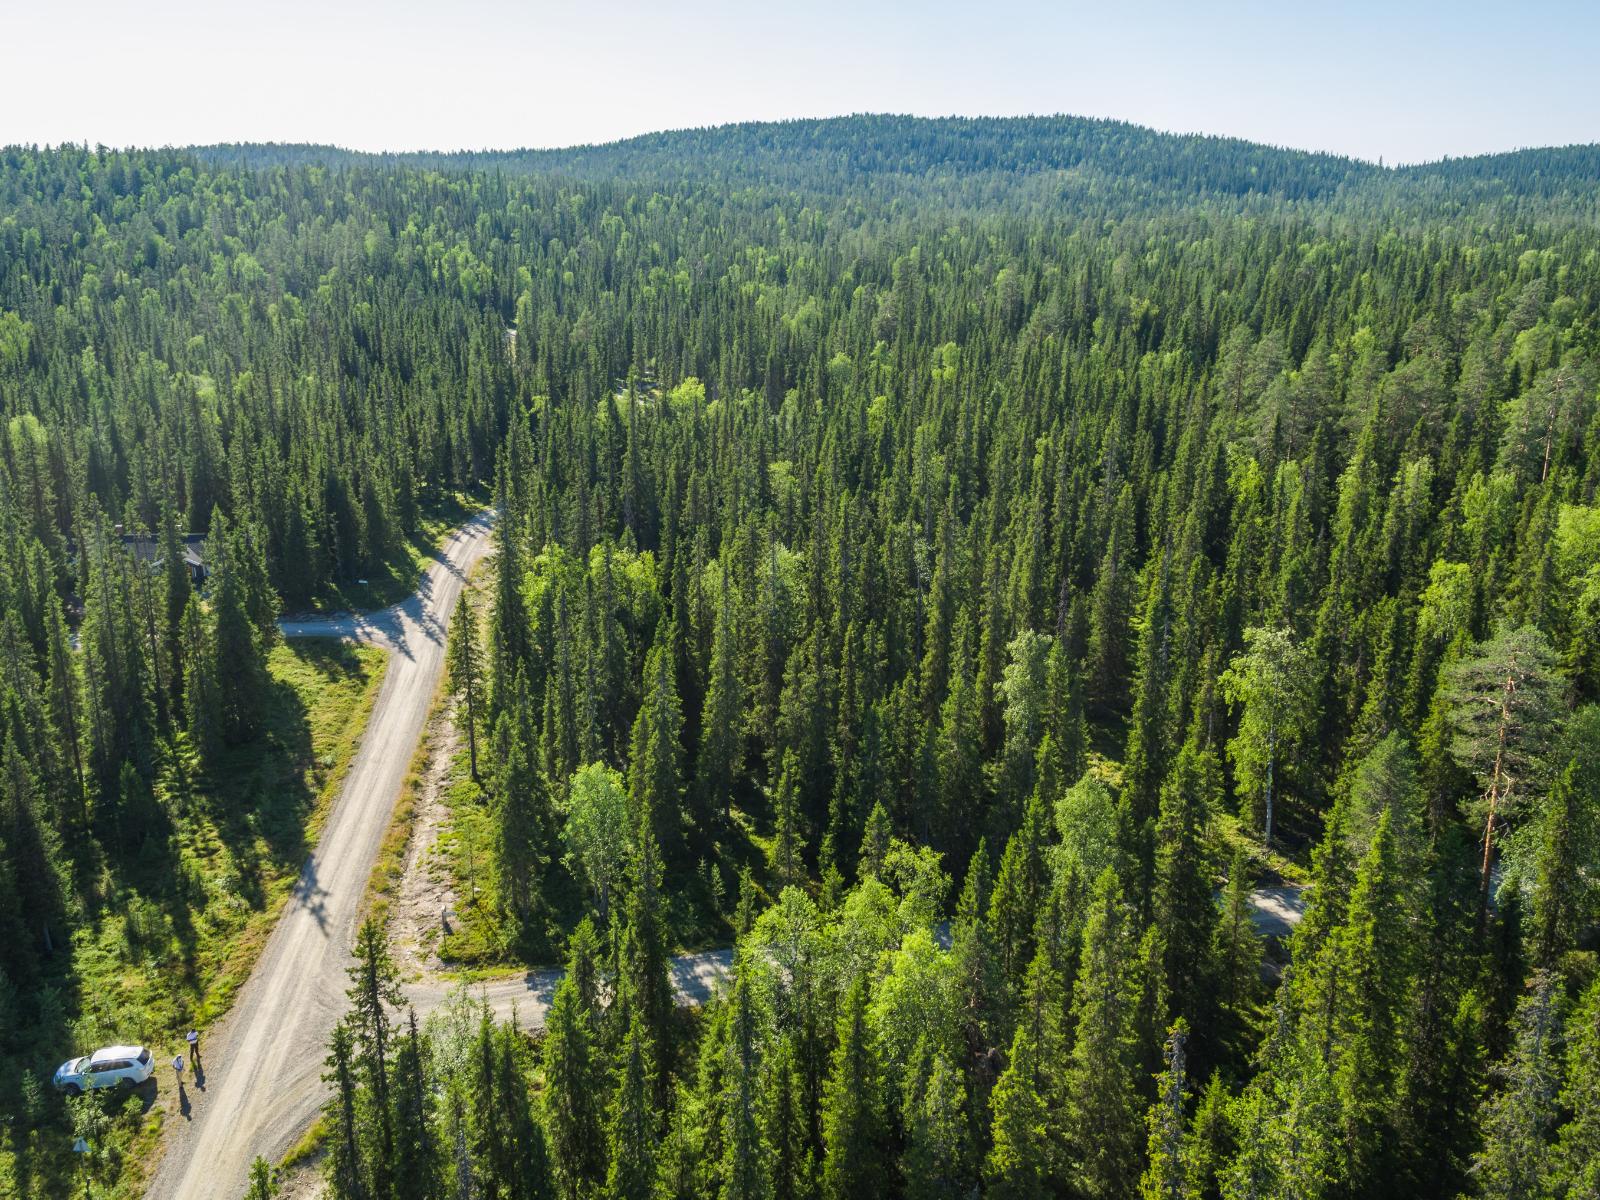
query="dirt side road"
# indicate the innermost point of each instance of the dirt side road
(263, 1065)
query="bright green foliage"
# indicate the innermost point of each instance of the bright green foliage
(907, 487)
(1575, 1169)
(597, 831)
(1024, 1157)
(1270, 681)
(263, 1186)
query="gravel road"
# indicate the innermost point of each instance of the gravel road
(263, 1064)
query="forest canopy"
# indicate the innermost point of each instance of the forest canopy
(971, 556)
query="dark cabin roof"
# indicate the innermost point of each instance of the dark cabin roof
(148, 549)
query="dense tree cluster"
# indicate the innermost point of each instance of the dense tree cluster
(1045, 505)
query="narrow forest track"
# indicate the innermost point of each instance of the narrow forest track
(263, 1064)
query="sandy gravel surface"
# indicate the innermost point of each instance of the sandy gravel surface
(264, 1062)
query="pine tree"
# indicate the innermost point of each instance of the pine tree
(1502, 703)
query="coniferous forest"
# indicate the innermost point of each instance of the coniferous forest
(958, 564)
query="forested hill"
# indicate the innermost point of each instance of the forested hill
(918, 153)
(920, 540)
(842, 152)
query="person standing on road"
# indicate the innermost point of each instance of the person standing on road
(193, 1039)
(177, 1068)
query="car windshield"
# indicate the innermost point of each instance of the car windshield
(77, 1065)
(144, 1057)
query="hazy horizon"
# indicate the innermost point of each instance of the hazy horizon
(404, 151)
(1402, 82)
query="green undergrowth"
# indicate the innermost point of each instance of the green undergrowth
(173, 926)
(396, 577)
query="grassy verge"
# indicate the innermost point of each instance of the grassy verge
(176, 923)
(390, 868)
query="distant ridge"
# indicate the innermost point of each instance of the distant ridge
(833, 154)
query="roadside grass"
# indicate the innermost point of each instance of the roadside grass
(390, 867)
(396, 578)
(176, 923)
(700, 894)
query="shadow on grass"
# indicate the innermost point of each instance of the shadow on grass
(397, 575)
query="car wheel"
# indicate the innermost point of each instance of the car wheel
(124, 1084)
(73, 1089)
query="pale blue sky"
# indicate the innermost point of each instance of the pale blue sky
(1406, 79)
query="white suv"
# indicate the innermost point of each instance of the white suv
(115, 1066)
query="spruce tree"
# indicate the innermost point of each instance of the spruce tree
(853, 1116)
(523, 823)
(744, 1168)
(655, 775)
(1167, 1175)
(1520, 1115)
(572, 1096)
(1182, 908)
(1575, 1170)
(416, 1165)
(1103, 1112)
(632, 1128)
(466, 674)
